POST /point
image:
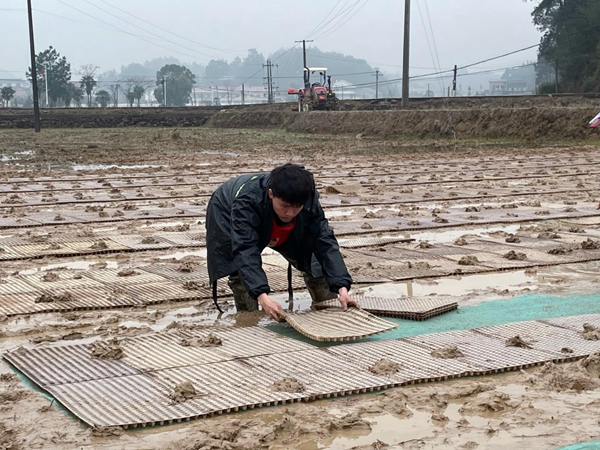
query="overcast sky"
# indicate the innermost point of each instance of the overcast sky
(465, 31)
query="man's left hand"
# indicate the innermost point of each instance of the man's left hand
(346, 300)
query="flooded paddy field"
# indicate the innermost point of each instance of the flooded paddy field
(109, 226)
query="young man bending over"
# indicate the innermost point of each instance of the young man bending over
(280, 210)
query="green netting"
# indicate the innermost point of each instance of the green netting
(528, 307)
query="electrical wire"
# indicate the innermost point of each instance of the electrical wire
(324, 25)
(170, 32)
(149, 32)
(325, 18)
(126, 32)
(321, 36)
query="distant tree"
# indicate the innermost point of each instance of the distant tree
(571, 32)
(138, 93)
(6, 94)
(217, 69)
(88, 84)
(179, 83)
(114, 92)
(88, 80)
(133, 88)
(103, 98)
(54, 70)
(73, 94)
(130, 96)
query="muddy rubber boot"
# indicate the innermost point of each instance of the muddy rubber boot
(243, 301)
(318, 289)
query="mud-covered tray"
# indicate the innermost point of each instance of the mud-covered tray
(404, 308)
(335, 324)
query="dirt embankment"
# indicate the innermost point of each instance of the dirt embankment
(528, 124)
(524, 118)
(108, 118)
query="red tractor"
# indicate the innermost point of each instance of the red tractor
(316, 96)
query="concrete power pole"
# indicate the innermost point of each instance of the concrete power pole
(243, 95)
(269, 78)
(34, 84)
(454, 80)
(306, 73)
(46, 76)
(377, 74)
(406, 57)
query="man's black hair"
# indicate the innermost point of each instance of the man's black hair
(292, 183)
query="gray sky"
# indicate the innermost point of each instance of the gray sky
(465, 31)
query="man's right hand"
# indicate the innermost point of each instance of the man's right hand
(271, 307)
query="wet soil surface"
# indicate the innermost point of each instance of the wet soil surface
(381, 183)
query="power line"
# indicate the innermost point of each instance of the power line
(123, 31)
(343, 23)
(324, 19)
(167, 31)
(149, 32)
(322, 25)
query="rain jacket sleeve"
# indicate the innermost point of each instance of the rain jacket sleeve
(245, 244)
(327, 251)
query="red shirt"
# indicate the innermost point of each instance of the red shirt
(280, 234)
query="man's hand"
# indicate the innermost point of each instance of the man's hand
(346, 300)
(271, 307)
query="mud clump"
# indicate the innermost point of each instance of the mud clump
(108, 350)
(149, 240)
(559, 251)
(468, 261)
(212, 340)
(55, 298)
(58, 218)
(472, 209)
(187, 267)
(590, 244)
(424, 245)
(566, 350)
(384, 367)
(100, 245)
(439, 219)
(366, 226)
(414, 223)
(515, 256)
(590, 332)
(512, 239)
(579, 377)
(461, 241)
(548, 235)
(51, 276)
(516, 341)
(489, 402)
(288, 384)
(176, 228)
(447, 352)
(107, 431)
(127, 273)
(194, 285)
(373, 215)
(183, 392)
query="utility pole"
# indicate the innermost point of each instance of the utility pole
(243, 95)
(454, 80)
(164, 86)
(556, 74)
(195, 104)
(377, 73)
(269, 78)
(46, 73)
(34, 85)
(306, 73)
(406, 59)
